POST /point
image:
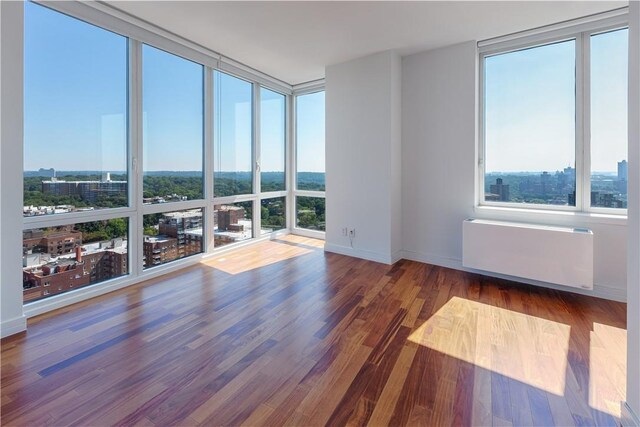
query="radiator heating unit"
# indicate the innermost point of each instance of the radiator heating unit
(559, 255)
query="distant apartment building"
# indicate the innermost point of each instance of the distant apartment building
(87, 190)
(570, 172)
(186, 228)
(158, 250)
(498, 191)
(545, 184)
(228, 217)
(622, 171)
(176, 223)
(90, 264)
(601, 199)
(621, 183)
(607, 199)
(59, 243)
(179, 235)
(226, 222)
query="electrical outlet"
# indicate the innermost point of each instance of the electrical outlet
(344, 231)
(352, 233)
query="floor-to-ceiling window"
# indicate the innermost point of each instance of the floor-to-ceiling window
(272, 161)
(77, 206)
(234, 159)
(173, 146)
(139, 153)
(310, 162)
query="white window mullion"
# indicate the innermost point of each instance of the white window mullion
(208, 160)
(136, 226)
(583, 120)
(480, 170)
(581, 195)
(292, 164)
(256, 159)
(287, 158)
(75, 217)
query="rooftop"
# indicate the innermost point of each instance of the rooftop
(184, 214)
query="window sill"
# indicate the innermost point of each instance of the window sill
(561, 217)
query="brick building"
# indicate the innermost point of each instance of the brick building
(58, 243)
(103, 261)
(228, 217)
(159, 249)
(186, 228)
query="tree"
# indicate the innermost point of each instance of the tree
(117, 227)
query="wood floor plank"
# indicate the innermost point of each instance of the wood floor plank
(282, 333)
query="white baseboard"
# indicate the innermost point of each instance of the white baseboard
(13, 326)
(600, 291)
(438, 260)
(396, 256)
(628, 418)
(361, 253)
(315, 234)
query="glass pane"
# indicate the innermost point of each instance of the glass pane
(272, 140)
(310, 141)
(310, 213)
(232, 222)
(232, 124)
(273, 215)
(60, 259)
(170, 236)
(75, 115)
(173, 120)
(529, 98)
(609, 69)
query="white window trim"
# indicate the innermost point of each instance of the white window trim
(579, 30)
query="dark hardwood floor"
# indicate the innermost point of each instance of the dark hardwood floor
(283, 334)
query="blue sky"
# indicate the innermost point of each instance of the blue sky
(272, 130)
(310, 116)
(75, 106)
(530, 106)
(76, 102)
(609, 74)
(172, 108)
(74, 92)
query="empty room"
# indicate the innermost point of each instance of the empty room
(319, 213)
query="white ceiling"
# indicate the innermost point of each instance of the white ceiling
(294, 41)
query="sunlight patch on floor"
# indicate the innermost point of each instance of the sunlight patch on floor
(607, 368)
(526, 348)
(264, 254)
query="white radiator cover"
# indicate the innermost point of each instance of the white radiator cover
(559, 255)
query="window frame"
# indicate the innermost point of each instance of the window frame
(285, 147)
(138, 33)
(292, 214)
(580, 32)
(139, 57)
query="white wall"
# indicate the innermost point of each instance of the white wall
(11, 316)
(633, 292)
(363, 156)
(439, 102)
